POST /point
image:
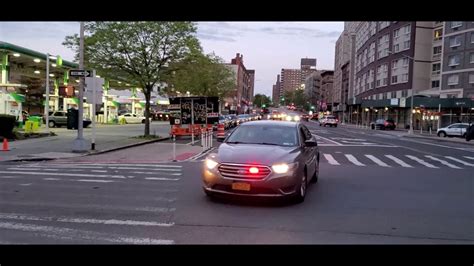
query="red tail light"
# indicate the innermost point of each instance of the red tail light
(385, 123)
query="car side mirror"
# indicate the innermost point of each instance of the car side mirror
(311, 143)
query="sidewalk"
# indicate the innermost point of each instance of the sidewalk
(108, 138)
(151, 153)
(416, 134)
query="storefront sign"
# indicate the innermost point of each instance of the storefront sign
(403, 102)
(394, 101)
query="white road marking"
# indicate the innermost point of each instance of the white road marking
(353, 160)
(154, 173)
(10, 177)
(326, 139)
(376, 160)
(15, 216)
(120, 164)
(73, 234)
(63, 174)
(27, 184)
(330, 159)
(400, 162)
(51, 179)
(443, 162)
(98, 171)
(420, 161)
(161, 178)
(135, 168)
(95, 180)
(459, 161)
(469, 157)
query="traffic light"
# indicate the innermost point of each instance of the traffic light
(312, 107)
(264, 105)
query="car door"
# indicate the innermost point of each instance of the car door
(463, 129)
(453, 130)
(307, 152)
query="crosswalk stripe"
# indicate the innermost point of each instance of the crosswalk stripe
(95, 180)
(459, 161)
(330, 159)
(468, 157)
(443, 162)
(162, 178)
(353, 160)
(376, 160)
(400, 162)
(63, 174)
(420, 161)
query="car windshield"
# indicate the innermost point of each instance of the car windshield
(264, 134)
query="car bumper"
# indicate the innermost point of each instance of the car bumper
(274, 185)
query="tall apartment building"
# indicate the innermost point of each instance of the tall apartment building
(240, 99)
(457, 76)
(342, 57)
(276, 91)
(392, 60)
(313, 88)
(292, 79)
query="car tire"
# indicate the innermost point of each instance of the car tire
(372, 127)
(314, 180)
(335, 125)
(300, 193)
(442, 134)
(464, 135)
(52, 124)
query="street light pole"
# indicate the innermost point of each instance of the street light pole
(46, 107)
(80, 144)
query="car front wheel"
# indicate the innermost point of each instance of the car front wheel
(51, 124)
(316, 172)
(300, 193)
(442, 134)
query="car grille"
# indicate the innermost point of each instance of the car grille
(241, 171)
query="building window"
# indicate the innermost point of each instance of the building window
(407, 29)
(404, 77)
(396, 33)
(456, 24)
(393, 94)
(394, 79)
(384, 81)
(396, 48)
(436, 68)
(406, 45)
(472, 37)
(455, 41)
(436, 50)
(471, 58)
(385, 96)
(404, 93)
(453, 79)
(471, 78)
(435, 84)
(383, 24)
(454, 60)
(438, 34)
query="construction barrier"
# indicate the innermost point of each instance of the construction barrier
(220, 131)
(5, 145)
(31, 127)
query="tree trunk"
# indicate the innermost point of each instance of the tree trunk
(147, 93)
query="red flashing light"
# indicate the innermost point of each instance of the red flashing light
(253, 170)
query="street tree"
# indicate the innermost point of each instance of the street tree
(139, 52)
(261, 99)
(200, 74)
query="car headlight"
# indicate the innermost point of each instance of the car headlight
(281, 168)
(297, 118)
(210, 164)
(288, 118)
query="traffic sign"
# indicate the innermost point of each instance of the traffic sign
(80, 73)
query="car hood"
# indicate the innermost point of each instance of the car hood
(253, 153)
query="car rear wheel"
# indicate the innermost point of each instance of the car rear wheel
(301, 191)
(442, 134)
(51, 124)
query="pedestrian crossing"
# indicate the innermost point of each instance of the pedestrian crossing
(404, 161)
(93, 172)
(93, 203)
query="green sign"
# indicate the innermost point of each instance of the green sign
(18, 97)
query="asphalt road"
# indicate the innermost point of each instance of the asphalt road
(374, 188)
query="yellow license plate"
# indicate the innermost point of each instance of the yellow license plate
(241, 186)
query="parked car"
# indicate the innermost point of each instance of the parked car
(328, 120)
(305, 117)
(233, 120)
(453, 130)
(132, 118)
(383, 124)
(263, 159)
(59, 118)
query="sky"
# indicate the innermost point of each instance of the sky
(266, 47)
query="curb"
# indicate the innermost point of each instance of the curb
(127, 146)
(89, 153)
(437, 139)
